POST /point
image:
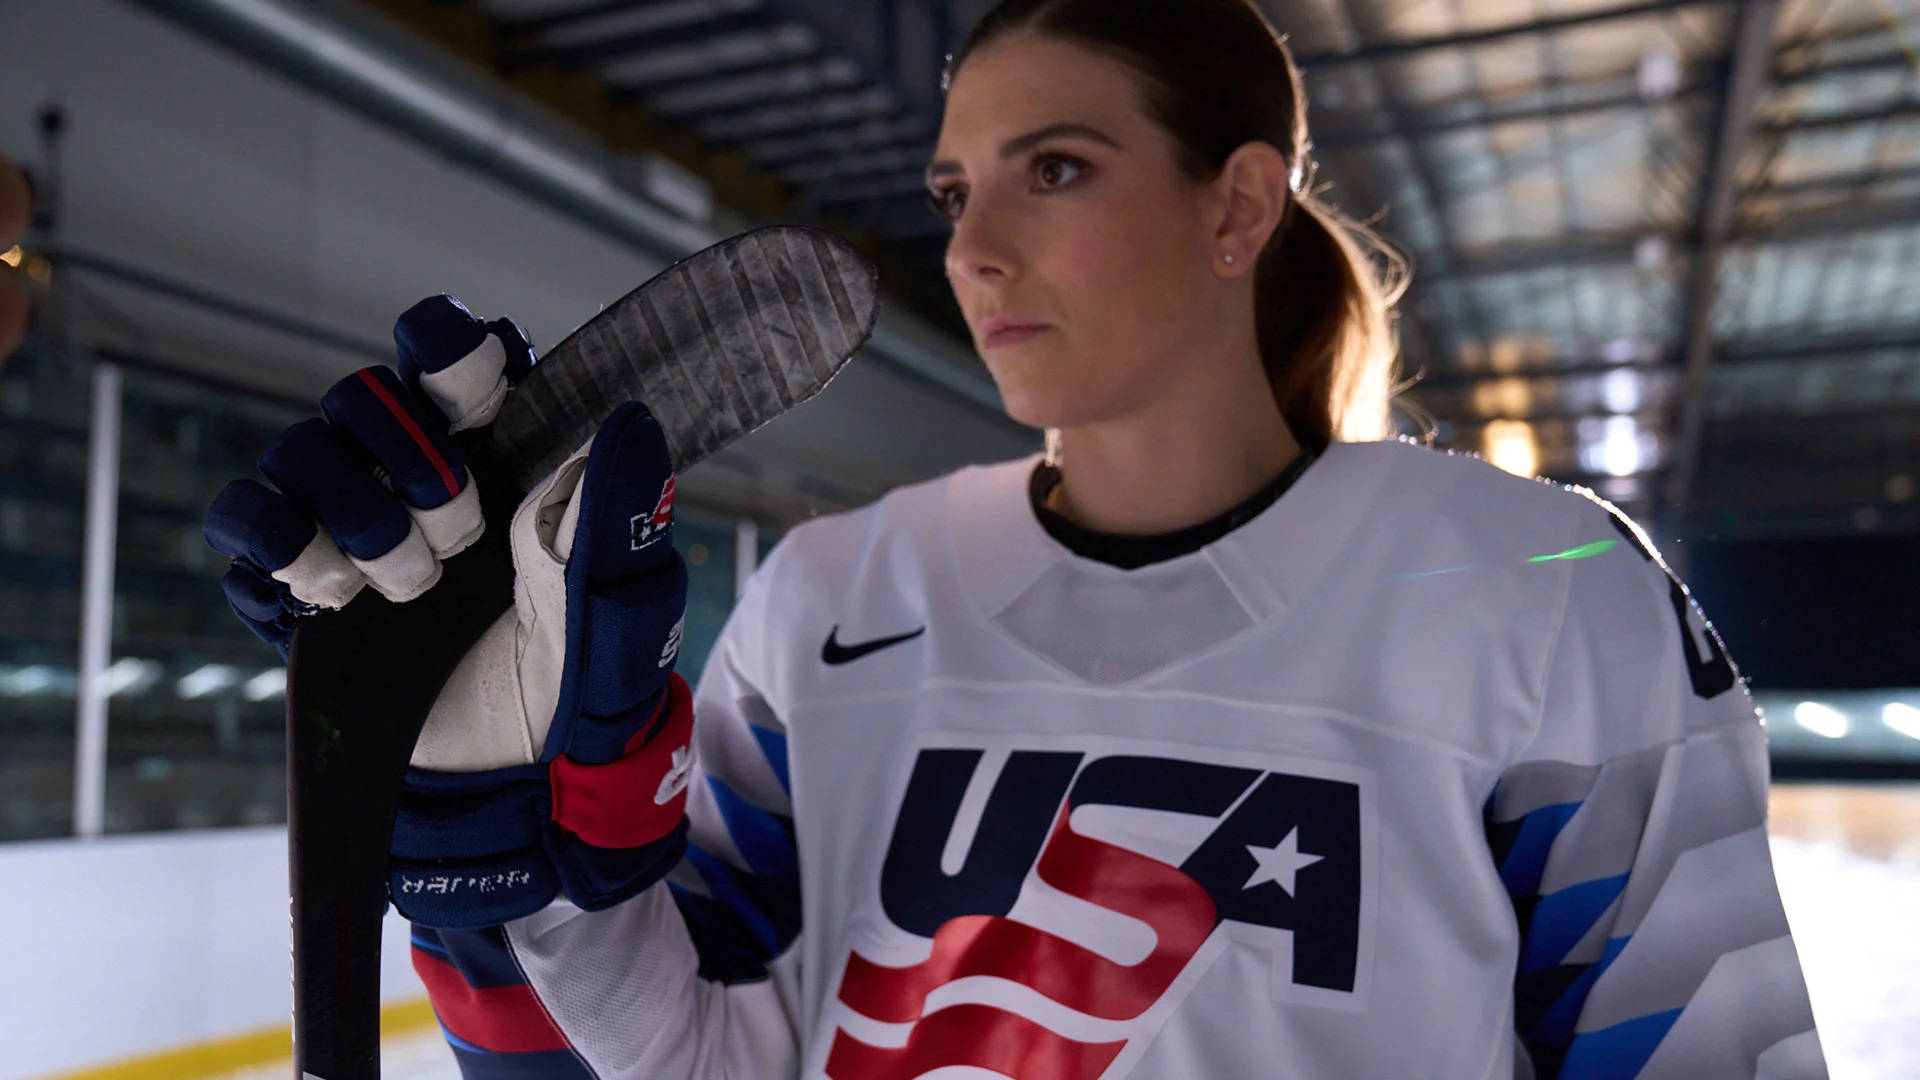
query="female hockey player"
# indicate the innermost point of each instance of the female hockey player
(1234, 737)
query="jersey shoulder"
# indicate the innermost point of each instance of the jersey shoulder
(1464, 490)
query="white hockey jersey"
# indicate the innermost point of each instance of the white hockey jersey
(1426, 771)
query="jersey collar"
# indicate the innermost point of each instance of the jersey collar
(999, 548)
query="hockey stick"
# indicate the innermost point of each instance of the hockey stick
(716, 345)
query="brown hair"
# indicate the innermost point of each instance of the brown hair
(1216, 75)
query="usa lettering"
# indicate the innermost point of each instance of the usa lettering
(1283, 852)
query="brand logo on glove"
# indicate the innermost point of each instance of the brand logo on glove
(676, 779)
(672, 647)
(1252, 853)
(647, 528)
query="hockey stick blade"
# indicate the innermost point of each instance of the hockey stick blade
(716, 345)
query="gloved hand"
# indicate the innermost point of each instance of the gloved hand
(555, 758)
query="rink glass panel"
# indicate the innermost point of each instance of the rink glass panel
(196, 732)
(43, 470)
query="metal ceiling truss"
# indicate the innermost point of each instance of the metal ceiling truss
(735, 125)
(554, 20)
(802, 84)
(660, 39)
(860, 135)
(670, 84)
(1416, 126)
(1719, 191)
(1392, 50)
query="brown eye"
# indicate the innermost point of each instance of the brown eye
(939, 202)
(1048, 164)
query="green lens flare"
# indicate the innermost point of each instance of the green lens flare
(1584, 551)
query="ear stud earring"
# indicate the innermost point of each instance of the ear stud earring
(1229, 258)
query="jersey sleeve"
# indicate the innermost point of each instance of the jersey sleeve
(694, 977)
(1631, 835)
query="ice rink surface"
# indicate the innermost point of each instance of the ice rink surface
(1848, 862)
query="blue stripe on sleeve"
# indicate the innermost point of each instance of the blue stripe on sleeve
(430, 945)
(478, 1064)
(1526, 861)
(480, 956)
(764, 839)
(1617, 1052)
(1561, 919)
(774, 745)
(1556, 1023)
(724, 884)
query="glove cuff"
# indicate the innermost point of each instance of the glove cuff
(637, 798)
(482, 848)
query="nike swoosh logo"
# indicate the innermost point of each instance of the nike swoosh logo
(835, 653)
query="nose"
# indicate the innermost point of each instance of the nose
(978, 251)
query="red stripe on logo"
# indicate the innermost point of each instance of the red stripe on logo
(507, 1019)
(977, 1035)
(1173, 904)
(419, 437)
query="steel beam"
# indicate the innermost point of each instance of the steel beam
(815, 146)
(588, 53)
(676, 83)
(1746, 84)
(866, 103)
(551, 20)
(1428, 126)
(1388, 50)
(1838, 183)
(482, 125)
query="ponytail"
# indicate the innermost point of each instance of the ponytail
(1323, 297)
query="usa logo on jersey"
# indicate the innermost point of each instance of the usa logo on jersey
(1044, 908)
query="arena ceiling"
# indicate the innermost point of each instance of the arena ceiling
(1662, 248)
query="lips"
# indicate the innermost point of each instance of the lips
(1005, 330)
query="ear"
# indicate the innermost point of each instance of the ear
(1250, 197)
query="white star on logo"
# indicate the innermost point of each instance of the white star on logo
(1280, 862)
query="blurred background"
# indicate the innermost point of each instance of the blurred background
(1666, 249)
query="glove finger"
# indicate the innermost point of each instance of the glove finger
(422, 465)
(322, 470)
(259, 606)
(273, 535)
(462, 365)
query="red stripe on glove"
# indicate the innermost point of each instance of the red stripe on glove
(507, 1019)
(413, 430)
(639, 798)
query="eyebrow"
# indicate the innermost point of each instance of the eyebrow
(1012, 147)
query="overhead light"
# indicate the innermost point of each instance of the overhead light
(1512, 445)
(207, 679)
(26, 681)
(12, 256)
(1509, 396)
(269, 683)
(1659, 74)
(1621, 350)
(1823, 720)
(1620, 390)
(1650, 252)
(1902, 718)
(129, 675)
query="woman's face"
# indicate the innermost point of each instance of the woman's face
(1094, 233)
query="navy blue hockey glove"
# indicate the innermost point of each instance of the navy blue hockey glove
(555, 758)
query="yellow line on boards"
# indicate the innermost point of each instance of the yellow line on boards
(262, 1047)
